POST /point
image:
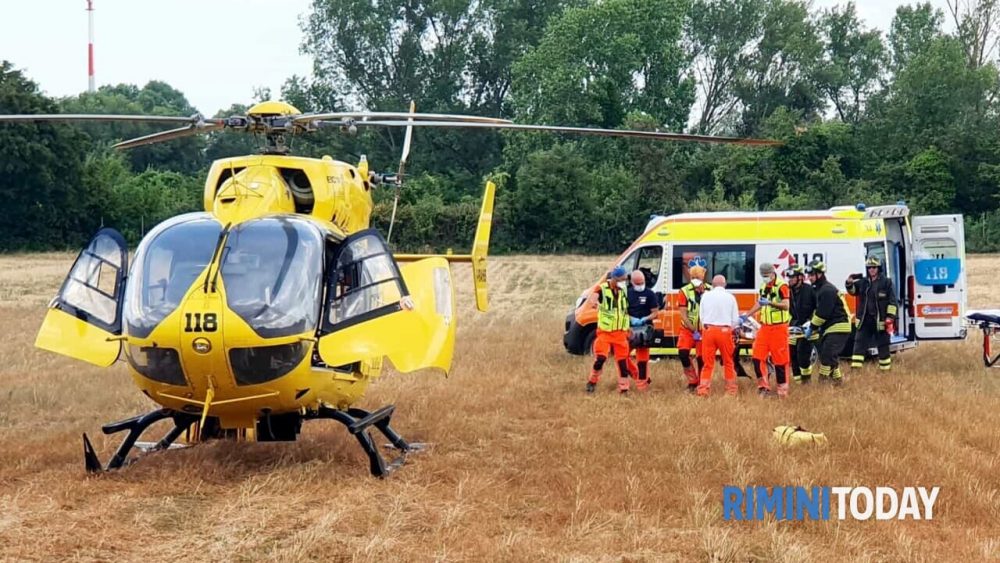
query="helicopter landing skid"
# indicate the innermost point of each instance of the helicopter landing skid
(136, 426)
(358, 421)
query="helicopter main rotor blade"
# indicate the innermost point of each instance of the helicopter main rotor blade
(392, 115)
(192, 129)
(98, 117)
(654, 135)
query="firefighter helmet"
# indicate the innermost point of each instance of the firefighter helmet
(795, 270)
(873, 262)
(816, 267)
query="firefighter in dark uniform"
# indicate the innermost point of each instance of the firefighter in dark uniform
(830, 326)
(803, 306)
(875, 317)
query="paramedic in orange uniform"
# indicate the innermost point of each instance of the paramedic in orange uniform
(689, 302)
(719, 318)
(613, 326)
(772, 339)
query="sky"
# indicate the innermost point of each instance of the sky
(214, 51)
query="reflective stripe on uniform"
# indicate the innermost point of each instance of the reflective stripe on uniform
(838, 327)
(885, 364)
(612, 311)
(891, 310)
(857, 360)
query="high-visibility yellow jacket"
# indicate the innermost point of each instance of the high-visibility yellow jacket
(612, 309)
(770, 315)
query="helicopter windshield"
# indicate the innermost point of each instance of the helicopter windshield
(272, 271)
(166, 263)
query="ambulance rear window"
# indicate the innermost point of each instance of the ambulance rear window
(735, 261)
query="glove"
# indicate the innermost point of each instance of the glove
(763, 301)
(743, 319)
(807, 331)
(635, 321)
(697, 335)
(890, 325)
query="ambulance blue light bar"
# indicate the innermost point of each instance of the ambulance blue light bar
(887, 212)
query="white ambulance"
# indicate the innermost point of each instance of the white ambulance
(923, 255)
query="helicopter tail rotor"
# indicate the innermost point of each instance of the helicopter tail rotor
(402, 167)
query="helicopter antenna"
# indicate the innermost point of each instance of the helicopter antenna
(401, 170)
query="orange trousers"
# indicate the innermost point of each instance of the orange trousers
(611, 341)
(639, 369)
(772, 340)
(686, 343)
(717, 339)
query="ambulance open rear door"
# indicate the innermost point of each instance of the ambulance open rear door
(938, 284)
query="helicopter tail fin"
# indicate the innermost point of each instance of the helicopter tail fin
(481, 246)
(480, 249)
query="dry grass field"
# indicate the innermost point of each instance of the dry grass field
(524, 465)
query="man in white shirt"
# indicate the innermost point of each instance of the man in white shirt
(720, 316)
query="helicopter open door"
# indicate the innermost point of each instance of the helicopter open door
(375, 309)
(86, 316)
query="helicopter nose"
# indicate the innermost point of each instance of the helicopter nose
(201, 342)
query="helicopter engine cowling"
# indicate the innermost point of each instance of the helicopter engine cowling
(254, 191)
(241, 188)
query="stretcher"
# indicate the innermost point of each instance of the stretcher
(989, 322)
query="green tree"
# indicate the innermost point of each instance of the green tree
(938, 100)
(597, 63)
(720, 37)
(931, 184)
(551, 206)
(155, 98)
(976, 23)
(780, 66)
(145, 199)
(44, 200)
(507, 30)
(853, 60)
(913, 29)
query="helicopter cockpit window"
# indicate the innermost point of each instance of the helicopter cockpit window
(365, 282)
(92, 288)
(167, 262)
(272, 271)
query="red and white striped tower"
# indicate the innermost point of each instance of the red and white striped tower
(90, 45)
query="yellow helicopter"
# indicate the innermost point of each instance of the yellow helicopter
(278, 303)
